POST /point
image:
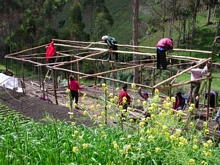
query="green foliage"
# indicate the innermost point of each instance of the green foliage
(162, 138)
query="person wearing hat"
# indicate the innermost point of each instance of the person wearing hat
(163, 46)
(144, 95)
(196, 74)
(180, 101)
(123, 94)
(112, 45)
(74, 89)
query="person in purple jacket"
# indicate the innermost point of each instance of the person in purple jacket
(163, 45)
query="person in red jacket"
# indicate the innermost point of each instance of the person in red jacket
(124, 95)
(163, 45)
(50, 52)
(74, 88)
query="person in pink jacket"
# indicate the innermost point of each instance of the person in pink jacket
(163, 45)
(74, 89)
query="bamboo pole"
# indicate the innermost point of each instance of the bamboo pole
(179, 84)
(112, 71)
(105, 78)
(12, 54)
(55, 85)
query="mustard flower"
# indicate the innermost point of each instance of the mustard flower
(205, 124)
(157, 150)
(151, 138)
(144, 103)
(85, 145)
(190, 109)
(106, 88)
(207, 154)
(132, 120)
(209, 142)
(102, 113)
(142, 124)
(167, 98)
(76, 132)
(95, 116)
(154, 105)
(148, 152)
(92, 107)
(192, 161)
(111, 118)
(172, 138)
(173, 99)
(165, 128)
(156, 91)
(206, 131)
(142, 139)
(195, 147)
(115, 146)
(71, 116)
(110, 95)
(192, 105)
(98, 106)
(178, 132)
(204, 163)
(67, 90)
(180, 113)
(124, 100)
(85, 113)
(191, 124)
(130, 109)
(138, 101)
(116, 98)
(206, 145)
(103, 85)
(133, 86)
(112, 100)
(117, 89)
(75, 149)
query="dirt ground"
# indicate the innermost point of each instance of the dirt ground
(30, 105)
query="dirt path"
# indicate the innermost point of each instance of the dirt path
(37, 109)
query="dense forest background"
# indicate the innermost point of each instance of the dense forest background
(27, 23)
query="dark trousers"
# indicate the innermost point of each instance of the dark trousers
(75, 95)
(113, 56)
(161, 59)
(194, 91)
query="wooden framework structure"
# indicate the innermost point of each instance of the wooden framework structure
(71, 53)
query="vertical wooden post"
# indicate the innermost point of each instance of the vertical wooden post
(95, 71)
(171, 74)
(77, 68)
(55, 85)
(22, 66)
(113, 76)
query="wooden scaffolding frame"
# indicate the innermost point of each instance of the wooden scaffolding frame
(71, 53)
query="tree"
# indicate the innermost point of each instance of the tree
(75, 29)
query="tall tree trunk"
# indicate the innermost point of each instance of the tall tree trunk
(135, 38)
(208, 14)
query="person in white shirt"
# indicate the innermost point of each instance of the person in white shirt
(196, 74)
